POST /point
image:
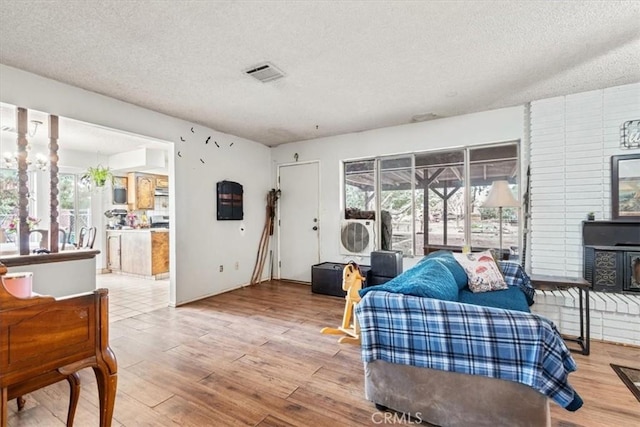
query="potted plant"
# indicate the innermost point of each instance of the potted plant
(591, 216)
(97, 176)
(12, 227)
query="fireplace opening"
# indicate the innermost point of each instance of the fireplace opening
(612, 255)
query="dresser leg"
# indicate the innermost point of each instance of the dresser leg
(74, 395)
(107, 383)
(3, 406)
(21, 401)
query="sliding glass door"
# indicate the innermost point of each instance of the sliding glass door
(74, 201)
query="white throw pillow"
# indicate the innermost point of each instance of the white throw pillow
(482, 271)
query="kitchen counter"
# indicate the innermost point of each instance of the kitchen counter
(140, 230)
(139, 251)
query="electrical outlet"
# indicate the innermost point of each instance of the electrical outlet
(221, 268)
(237, 265)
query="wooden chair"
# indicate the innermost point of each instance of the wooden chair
(44, 340)
(43, 238)
(86, 238)
(62, 236)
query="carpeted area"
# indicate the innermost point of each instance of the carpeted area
(630, 377)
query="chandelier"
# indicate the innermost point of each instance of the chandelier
(10, 160)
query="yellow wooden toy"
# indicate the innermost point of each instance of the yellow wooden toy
(352, 283)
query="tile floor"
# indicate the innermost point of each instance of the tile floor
(130, 296)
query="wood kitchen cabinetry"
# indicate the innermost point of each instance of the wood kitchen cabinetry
(141, 191)
(113, 250)
(142, 252)
(162, 181)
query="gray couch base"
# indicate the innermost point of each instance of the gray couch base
(451, 399)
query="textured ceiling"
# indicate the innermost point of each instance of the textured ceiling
(350, 66)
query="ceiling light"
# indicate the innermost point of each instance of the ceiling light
(265, 72)
(34, 127)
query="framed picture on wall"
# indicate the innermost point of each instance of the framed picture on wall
(625, 187)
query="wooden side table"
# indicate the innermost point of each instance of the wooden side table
(552, 283)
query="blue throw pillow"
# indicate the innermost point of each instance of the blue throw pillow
(429, 279)
(447, 259)
(511, 298)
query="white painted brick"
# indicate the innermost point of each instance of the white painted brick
(617, 335)
(558, 298)
(569, 299)
(622, 305)
(569, 329)
(610, 301)
(622, 321)
(570, 317)
(633, 303)
(596, 325)
(606, 324)
(597, 302)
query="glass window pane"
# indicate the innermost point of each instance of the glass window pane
(9, 211)
(396, 205)
(489, 165)
(359, 186)
(74, 201)
(66, 203)
(441, 212)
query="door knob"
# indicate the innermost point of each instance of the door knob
(315, 228)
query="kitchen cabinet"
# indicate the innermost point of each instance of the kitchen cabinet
(113, 250)
(141, 252)
(141, 191)
(162, 181)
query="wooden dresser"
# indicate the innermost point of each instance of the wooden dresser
(44, 340)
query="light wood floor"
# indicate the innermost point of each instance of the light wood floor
(255, 357)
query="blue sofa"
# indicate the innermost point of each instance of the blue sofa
(433, 347)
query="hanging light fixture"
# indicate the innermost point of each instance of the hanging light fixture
(33, 124)
(10, 160)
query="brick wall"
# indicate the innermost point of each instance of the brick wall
(571, 141)
(614, 317)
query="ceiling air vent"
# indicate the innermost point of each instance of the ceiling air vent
(264, 72)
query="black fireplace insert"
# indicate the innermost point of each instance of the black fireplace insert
(612, 255)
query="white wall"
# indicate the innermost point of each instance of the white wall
(60, 279)
(572, 140)
(472, 129)
(200, 243)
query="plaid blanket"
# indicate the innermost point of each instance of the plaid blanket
(469, 339)
(515, 275)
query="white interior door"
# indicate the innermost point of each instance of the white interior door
(298, 220)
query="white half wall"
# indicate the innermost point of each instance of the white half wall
(472, 129)
(63, 278)
(199, 243)
(572, 140)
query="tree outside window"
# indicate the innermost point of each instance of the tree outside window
(434, 199)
